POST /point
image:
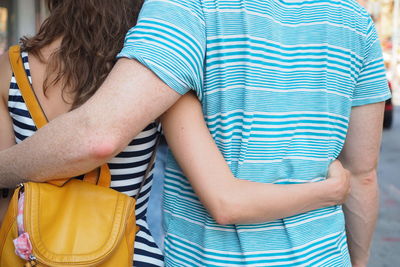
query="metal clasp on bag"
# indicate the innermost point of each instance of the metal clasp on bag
(32, 261)
(21, 187)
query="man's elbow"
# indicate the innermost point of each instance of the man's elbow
(102, 149)
(367, 177)
(99, 142)
(363, 171)
(82, 156)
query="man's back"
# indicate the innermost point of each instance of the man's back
(277, 80)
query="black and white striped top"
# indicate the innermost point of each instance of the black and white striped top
(127, 169)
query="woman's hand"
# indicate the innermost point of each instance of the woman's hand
(338, 182)
(230, 200)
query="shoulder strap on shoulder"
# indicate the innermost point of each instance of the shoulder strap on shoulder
(101, 177)
(25, 87)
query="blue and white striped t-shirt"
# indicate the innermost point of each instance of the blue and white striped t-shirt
(277, 80)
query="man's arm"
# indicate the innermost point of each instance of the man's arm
(360, 157)
(131, 97)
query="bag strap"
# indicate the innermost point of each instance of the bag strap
(40, 119)
(150, 165)
(25, 87)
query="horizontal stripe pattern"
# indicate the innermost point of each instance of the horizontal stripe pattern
(127, 169)
(277, 80)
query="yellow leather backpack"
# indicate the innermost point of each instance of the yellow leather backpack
(70, 222)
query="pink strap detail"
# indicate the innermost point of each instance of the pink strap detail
(20, 215)
(23, 246)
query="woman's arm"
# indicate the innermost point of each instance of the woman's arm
(7, 138)
(228, 199)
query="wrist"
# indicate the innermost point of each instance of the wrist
(335, 192)
(359, 254)
(327, 193)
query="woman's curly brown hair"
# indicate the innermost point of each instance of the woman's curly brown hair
(92, 33)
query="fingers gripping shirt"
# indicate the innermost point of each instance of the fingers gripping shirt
(277, 80)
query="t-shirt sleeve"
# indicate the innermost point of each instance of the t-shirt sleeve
(372, 84)
(169, 39)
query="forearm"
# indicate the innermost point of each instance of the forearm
(230, 200)
(131, 97)
(360, 157)
(233, 201)
(251, 202)
(39, 159)
(361, 212)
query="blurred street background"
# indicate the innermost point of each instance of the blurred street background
(386, 15)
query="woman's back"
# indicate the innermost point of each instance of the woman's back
(54, 103)
(127, 168)
(65, 69)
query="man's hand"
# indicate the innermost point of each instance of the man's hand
(338, 181)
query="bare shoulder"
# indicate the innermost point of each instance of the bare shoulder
(5, 77)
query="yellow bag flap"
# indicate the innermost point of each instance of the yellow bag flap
(72, 225)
